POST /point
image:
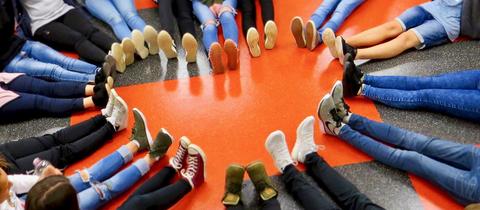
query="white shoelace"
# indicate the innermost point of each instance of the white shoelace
(177, 162)
(192, 167)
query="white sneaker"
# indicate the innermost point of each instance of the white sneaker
(331, 122)
(107, 111)
(119, 116)
(166, 44)
(139, 42)
(119, 55)
(276, 145)
(151, 38)
(252, 42)
(271, 33)
(305, 143)
(190, 45)
(128, 50)
(328, 37)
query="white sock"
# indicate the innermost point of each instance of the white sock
(136, 143)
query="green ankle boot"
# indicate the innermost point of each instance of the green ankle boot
(161, 144)
(261, 181)
(233, 184)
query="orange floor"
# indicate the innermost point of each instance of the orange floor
(230, 115)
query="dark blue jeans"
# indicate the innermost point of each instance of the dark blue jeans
(39, 96)
(452, 166)
(456, 94)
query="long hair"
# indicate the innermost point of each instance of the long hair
(4, 164)
(52, 193)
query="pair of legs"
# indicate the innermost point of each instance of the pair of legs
(55, 98)
(344, 193)
(182, 11)
(414, 28)
(61, 148)
(249, 25)
(452, 166)
(39, 60)
(73, 31)
(120, 15)
(226, 18)
(456, 94)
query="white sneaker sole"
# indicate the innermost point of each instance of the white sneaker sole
(149, 136)
(190, 45)
(151, 38)
(339, 48)
(119, 55)
(271, 33)
(129, 51)
(296, 26)
(252, 40)
(165, 42)
(311, 35)
(139, 42)
(328, 37)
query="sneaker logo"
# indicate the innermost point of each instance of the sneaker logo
(328, 124)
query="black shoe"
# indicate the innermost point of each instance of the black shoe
(343, 49)
(351, 79)
(113, 66)
(100, 76)
(101, 95)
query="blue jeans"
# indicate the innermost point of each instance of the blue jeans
(340, 10)
(456, 94)
(454, 167)
(38, 60)
(121, 15)
(429, 31)
(96, 193)
(208, 19)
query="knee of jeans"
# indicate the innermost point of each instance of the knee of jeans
(115, 20)
(209, 25)
(84, 175)
(227, 11)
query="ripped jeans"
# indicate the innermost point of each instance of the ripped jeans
(99, 183)
(209, 21)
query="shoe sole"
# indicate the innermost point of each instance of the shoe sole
(215, 56)
(339, 48)
(186, 140)
(151, 38)
(165, 42)
(120, 100)
(110, 81)
(190, 45)
(310, 35)
(117, 53)
(335, 87)
(328, 37)
(113, 69)
(297, 30)
(252, 40)
(204, 157)
(253, 164)
(271, 33)
(323, 127)
(139, 43)
(232, 54)
(129, 51)
(149, 136)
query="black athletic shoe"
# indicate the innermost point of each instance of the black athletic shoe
(100, 76)
(351, 79)
(343, 49)
(101, 95)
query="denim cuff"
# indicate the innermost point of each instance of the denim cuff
(125, 153)
(404, 28)
(420, 37)
(142, 166)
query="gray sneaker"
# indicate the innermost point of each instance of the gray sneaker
(343, 110)
(327, 113)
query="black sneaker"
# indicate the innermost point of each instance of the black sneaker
(112, 64)
(101, 95)
(343, 49)
(100, 76)
(351, 79)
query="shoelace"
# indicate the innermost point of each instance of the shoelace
(177, 159)
(335, 117)
(192, 167)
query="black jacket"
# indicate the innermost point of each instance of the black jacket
(470, 22)
(10, 44)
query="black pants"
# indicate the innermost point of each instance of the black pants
(340, 189)
(61, 148)
(73, 31)
(157, 193)
(179, 9)
(249, 14)
(271, 204)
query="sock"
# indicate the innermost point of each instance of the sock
(136, 143)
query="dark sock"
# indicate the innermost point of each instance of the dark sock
(348, 49)
(100, 76)
(100, 96)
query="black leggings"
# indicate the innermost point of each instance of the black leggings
(157, 193)
(344, 193)
(73, 31)
(37, 96)
(179, 9)
(249, 14)
(61, 148)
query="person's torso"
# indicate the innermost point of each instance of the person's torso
(42, 12)
(448, 13)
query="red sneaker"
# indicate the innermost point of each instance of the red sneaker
(196, 172)
(179, 160)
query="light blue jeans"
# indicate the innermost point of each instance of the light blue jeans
(339, 9)
(452, 166)
(456, 93)
(102, 186)
(38, 60)
(121, 15)
(207, 17)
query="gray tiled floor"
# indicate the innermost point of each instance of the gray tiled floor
(390, 188)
